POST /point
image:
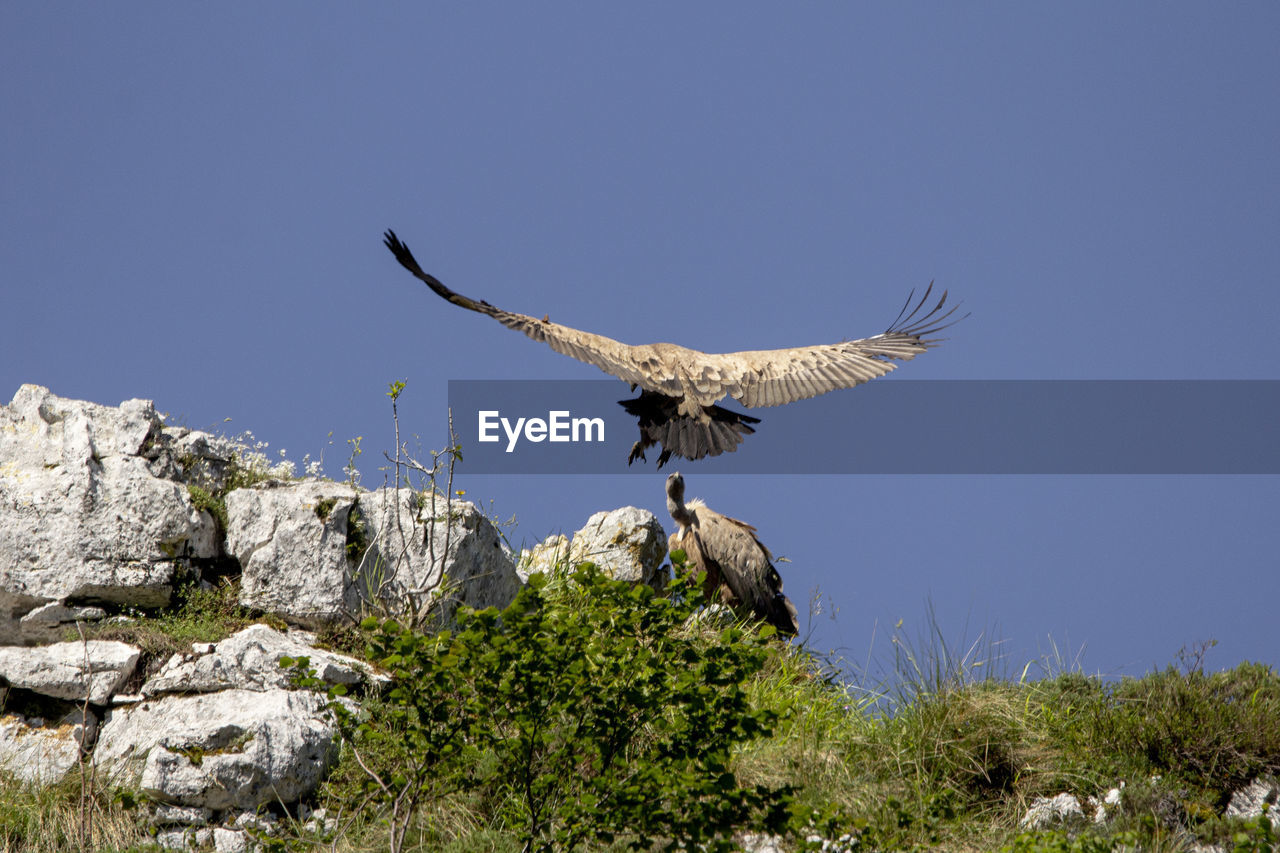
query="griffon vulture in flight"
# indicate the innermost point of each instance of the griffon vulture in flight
(680, 387)
(739, 568)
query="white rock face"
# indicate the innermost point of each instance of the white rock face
(1249, 801)
(1047, 812)
(95, 669)
(291, 541)
(167, 815)
(627, 544)
(220, 839)
(40, 752)
(1100, 807)
(82, 518)
(52, 616)
(236, 749)
(543, 558)
(248, 660)
(752, 842)
(229, 840)
(455, 557)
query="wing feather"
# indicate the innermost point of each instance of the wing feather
(756, 378)
(775, 377)
(628, 363)
(744, 565)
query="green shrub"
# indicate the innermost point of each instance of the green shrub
(1220, 727)
(589, 711)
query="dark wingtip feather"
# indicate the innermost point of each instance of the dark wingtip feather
(933, 321)
(401, 252)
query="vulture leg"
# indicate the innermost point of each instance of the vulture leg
(637, 450)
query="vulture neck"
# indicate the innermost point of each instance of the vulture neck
(683, 514)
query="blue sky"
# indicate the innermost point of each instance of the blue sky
(194, 197)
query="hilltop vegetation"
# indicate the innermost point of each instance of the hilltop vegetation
(596, 715)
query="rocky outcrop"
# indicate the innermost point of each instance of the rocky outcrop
(627, 544)
(420, 557)
(214, 733)
(1064, 811)
(319, 553)
(1048, 812)
(292, 544)
(92, 670)
(1251, 801)
(250, 660)
(545, 557)
(236, 749)
(84, 518)
(104, 510)
(44, 752)
(97, 514)
(44, 747)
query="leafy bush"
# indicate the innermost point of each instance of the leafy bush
(588, 711)
(1219, 727)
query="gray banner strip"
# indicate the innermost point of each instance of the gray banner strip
(896, 426)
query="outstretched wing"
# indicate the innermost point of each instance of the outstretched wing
(755, 378)
(774, 377)
(613, 357)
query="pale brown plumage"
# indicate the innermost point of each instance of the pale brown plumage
(696, 381)
(739, 567)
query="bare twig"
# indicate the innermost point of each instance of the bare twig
(87, 767)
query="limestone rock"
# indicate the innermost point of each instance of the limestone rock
(185, 839)
(249, 660)
(454, 557)
(229, 840)
(753, 842)
(291, 541)
(1047, 812)
(1101, 812)
(199, 458)
(83, 520)
(44, 753)
(50, 618)
(217, 838)
(167, 815)
(236, 749)
(1249, 801)
(627, 544)
(95, 669)
(544, 558)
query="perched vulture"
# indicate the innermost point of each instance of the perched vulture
(680, 387)
(739, 568)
